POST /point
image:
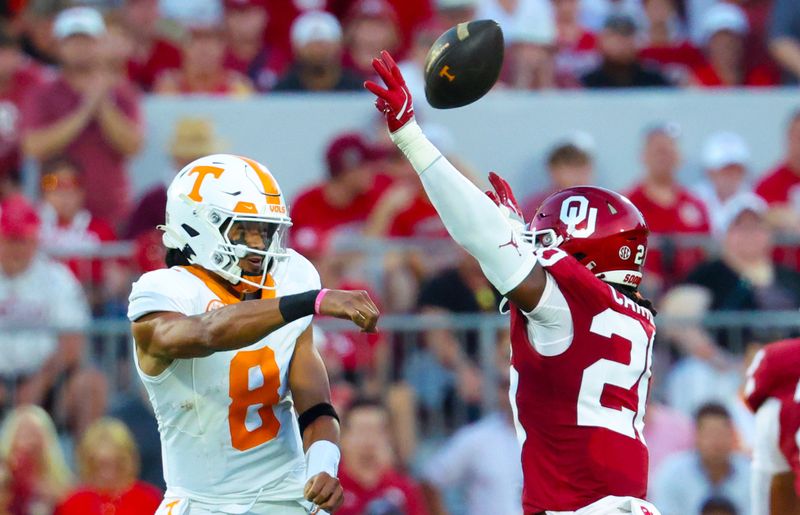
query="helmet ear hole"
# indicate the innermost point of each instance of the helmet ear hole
(190, 230)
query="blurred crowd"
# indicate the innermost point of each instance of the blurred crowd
(426, 425)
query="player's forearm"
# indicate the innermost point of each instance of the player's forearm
(470, 217)
(323, 428)
(787, 52)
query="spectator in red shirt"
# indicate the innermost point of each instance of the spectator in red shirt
(452, 12)
(19, 75)
(576, 52)
(248, 53)
(86, 115)
(668, 207)
(317, 65)
(665, 42)
(370, 26)
(108, 462)
(780, 187)
(569, 164)
(724, 27)
(346, 198)
(202, 68)
(371, 481)
(68, 228)
(152, 54)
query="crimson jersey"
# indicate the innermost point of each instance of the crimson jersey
(580, 377)
(775, 374)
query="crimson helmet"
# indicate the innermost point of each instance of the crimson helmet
(600, 228)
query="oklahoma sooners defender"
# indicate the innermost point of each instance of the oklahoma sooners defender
(773, 392)
(581, 334)
(224, 347)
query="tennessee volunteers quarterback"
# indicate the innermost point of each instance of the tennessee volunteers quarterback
(581, 334)
(223, 345)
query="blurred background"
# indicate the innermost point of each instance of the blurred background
(690, 107)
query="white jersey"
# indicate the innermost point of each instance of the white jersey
(229, 433)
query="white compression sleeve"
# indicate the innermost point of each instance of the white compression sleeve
(471, 218)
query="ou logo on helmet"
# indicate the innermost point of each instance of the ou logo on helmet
(575, 210)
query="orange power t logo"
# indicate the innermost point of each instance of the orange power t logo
(445, 72)
(202, 172)
(171, 505)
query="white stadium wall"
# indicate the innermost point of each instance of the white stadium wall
(506, 131)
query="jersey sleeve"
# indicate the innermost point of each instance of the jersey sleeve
(306, 272)
(775, 370)
(156, 291)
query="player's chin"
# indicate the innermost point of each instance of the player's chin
(252, 265)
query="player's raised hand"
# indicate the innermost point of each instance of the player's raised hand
(503, 196)
(394, 101)
(351, 305)
(325, 492)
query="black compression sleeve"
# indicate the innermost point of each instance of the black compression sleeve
(299, 305)
(323, 409)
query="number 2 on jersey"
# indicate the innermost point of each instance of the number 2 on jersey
(607, 372)
(254, 381)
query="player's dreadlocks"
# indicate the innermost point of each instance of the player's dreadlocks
(176, 257)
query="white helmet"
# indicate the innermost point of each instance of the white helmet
(204, 201)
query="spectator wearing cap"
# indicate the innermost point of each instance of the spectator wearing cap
(667, 207)
(85, 114)
(452, 12)
(370, 26)
(724, 28)
(368, 473)
(569, 163)
(42, 336)
(664, 42)
(19, 75)
(620, 66)
(248, 52)
(576, 45)
(530, 59)
(68, 228)
(712, 468)
(202, 68)
(780, 187)
(594, 13)
(152, 53)
(317, 65)
(347, 197)
(410, 15)
(784, 38)
(726, 158)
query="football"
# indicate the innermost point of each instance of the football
(463, 64)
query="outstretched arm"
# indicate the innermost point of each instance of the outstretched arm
(471, 218)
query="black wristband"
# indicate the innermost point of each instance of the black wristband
(299, 305)
(323, 409)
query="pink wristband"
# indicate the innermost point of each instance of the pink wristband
(318, 302)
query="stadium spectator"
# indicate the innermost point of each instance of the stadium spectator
(68, 228)
(368, 474)
(569, 163)
(508, 14)
(452, 12)
(482, 461)
(714, 468)
(576, 46)
(667, 431)
(780, 187)
(413, 66)
(411, 14)
(724, 28)
(202, 68)
(594, 13)
(247, 51)
(530, 53)
(784, 38)
(664, 42)
(37, 30)
(18, 76)
(620, 66)
(42, 336)
(6, 495)
(718, 506)
(84, 116)
(370, 26)
(108, 464)
(317, 49)
(40, 477)
(668, 207)
(152, 54)
(725, 158)
(192, 138)
(346, 198)
(135, 411)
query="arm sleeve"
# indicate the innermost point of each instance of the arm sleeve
(147, 296)
(471, 218)
(550, 329)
